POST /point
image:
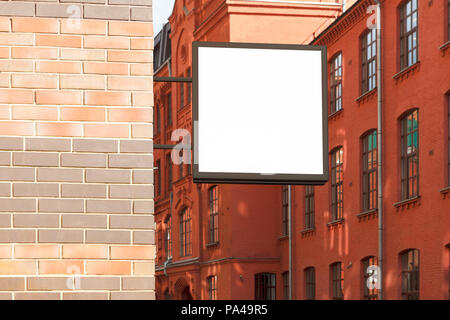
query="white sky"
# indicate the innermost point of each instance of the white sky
(161, 11)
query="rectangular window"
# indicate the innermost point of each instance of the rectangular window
(309, 207)
(285, 211)
(310, 283)
(169, 172)
(180, 167)
(337, 185)
(369, 291)
(285, 276)
(448, 101)
(369, 171)
(410, 155)
(337, 281)
(185, 233)
(448, 18)
(265, 286)
(410, 274)
(213, 215)
(159, 228)
(212, 287)
(369, 60)
(448, 249)
(408, 34)
(158, 178)
(188, 87)
(158, 120)
(168, 237)
(169, 109)
(336, 84)
(181, 94)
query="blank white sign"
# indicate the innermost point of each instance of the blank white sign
(260, 111)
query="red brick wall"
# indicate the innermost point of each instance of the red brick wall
(76, 163)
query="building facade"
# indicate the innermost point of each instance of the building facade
(206, 248)
(230, 241)
(76, 168)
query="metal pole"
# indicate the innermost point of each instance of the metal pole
(290, 238)
(380, 154)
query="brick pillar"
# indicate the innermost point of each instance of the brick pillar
(76, 150)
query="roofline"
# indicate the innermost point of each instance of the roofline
(331, 26)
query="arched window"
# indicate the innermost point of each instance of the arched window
(309, 208)
(212, 287)
(337, 184)
(185, 233)
(310, 283)
(336, 83)
(410, 154)
(213, 215)
(369, 171)
(369, 291)
(337, 281)
(168, 237)
(285, 213)
(167, 295)
(409, 21)
(368, 60)
(410, 274)
(265, 286)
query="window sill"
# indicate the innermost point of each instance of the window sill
(308, 232)
(212, 244)
(335, 224)
(367, 215)
(366, 96)
(335, 115)
(407, 72)
(445, 46)
(445, 192)
(408, 203)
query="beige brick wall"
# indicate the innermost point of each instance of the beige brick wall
(76, 150)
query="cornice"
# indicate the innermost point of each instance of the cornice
(343, 24)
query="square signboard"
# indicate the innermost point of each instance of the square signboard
(259, 113)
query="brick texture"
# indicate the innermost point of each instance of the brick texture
(76, 150)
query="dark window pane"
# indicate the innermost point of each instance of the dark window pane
(285, 213)
(410, 274)
(185, 233)
(336, 83)
(408, 34)
(265, 286)
(368, 67)
(168, 237)
(285, 276)
(212, 287)
(213, 215)
(369, 171)
(337, 185)
(310, 283)
(309, 207)
(337, 281)
(410, 155)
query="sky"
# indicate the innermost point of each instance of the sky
(161, 11)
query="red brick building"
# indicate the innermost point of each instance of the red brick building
(230, 242)
(76, 155)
